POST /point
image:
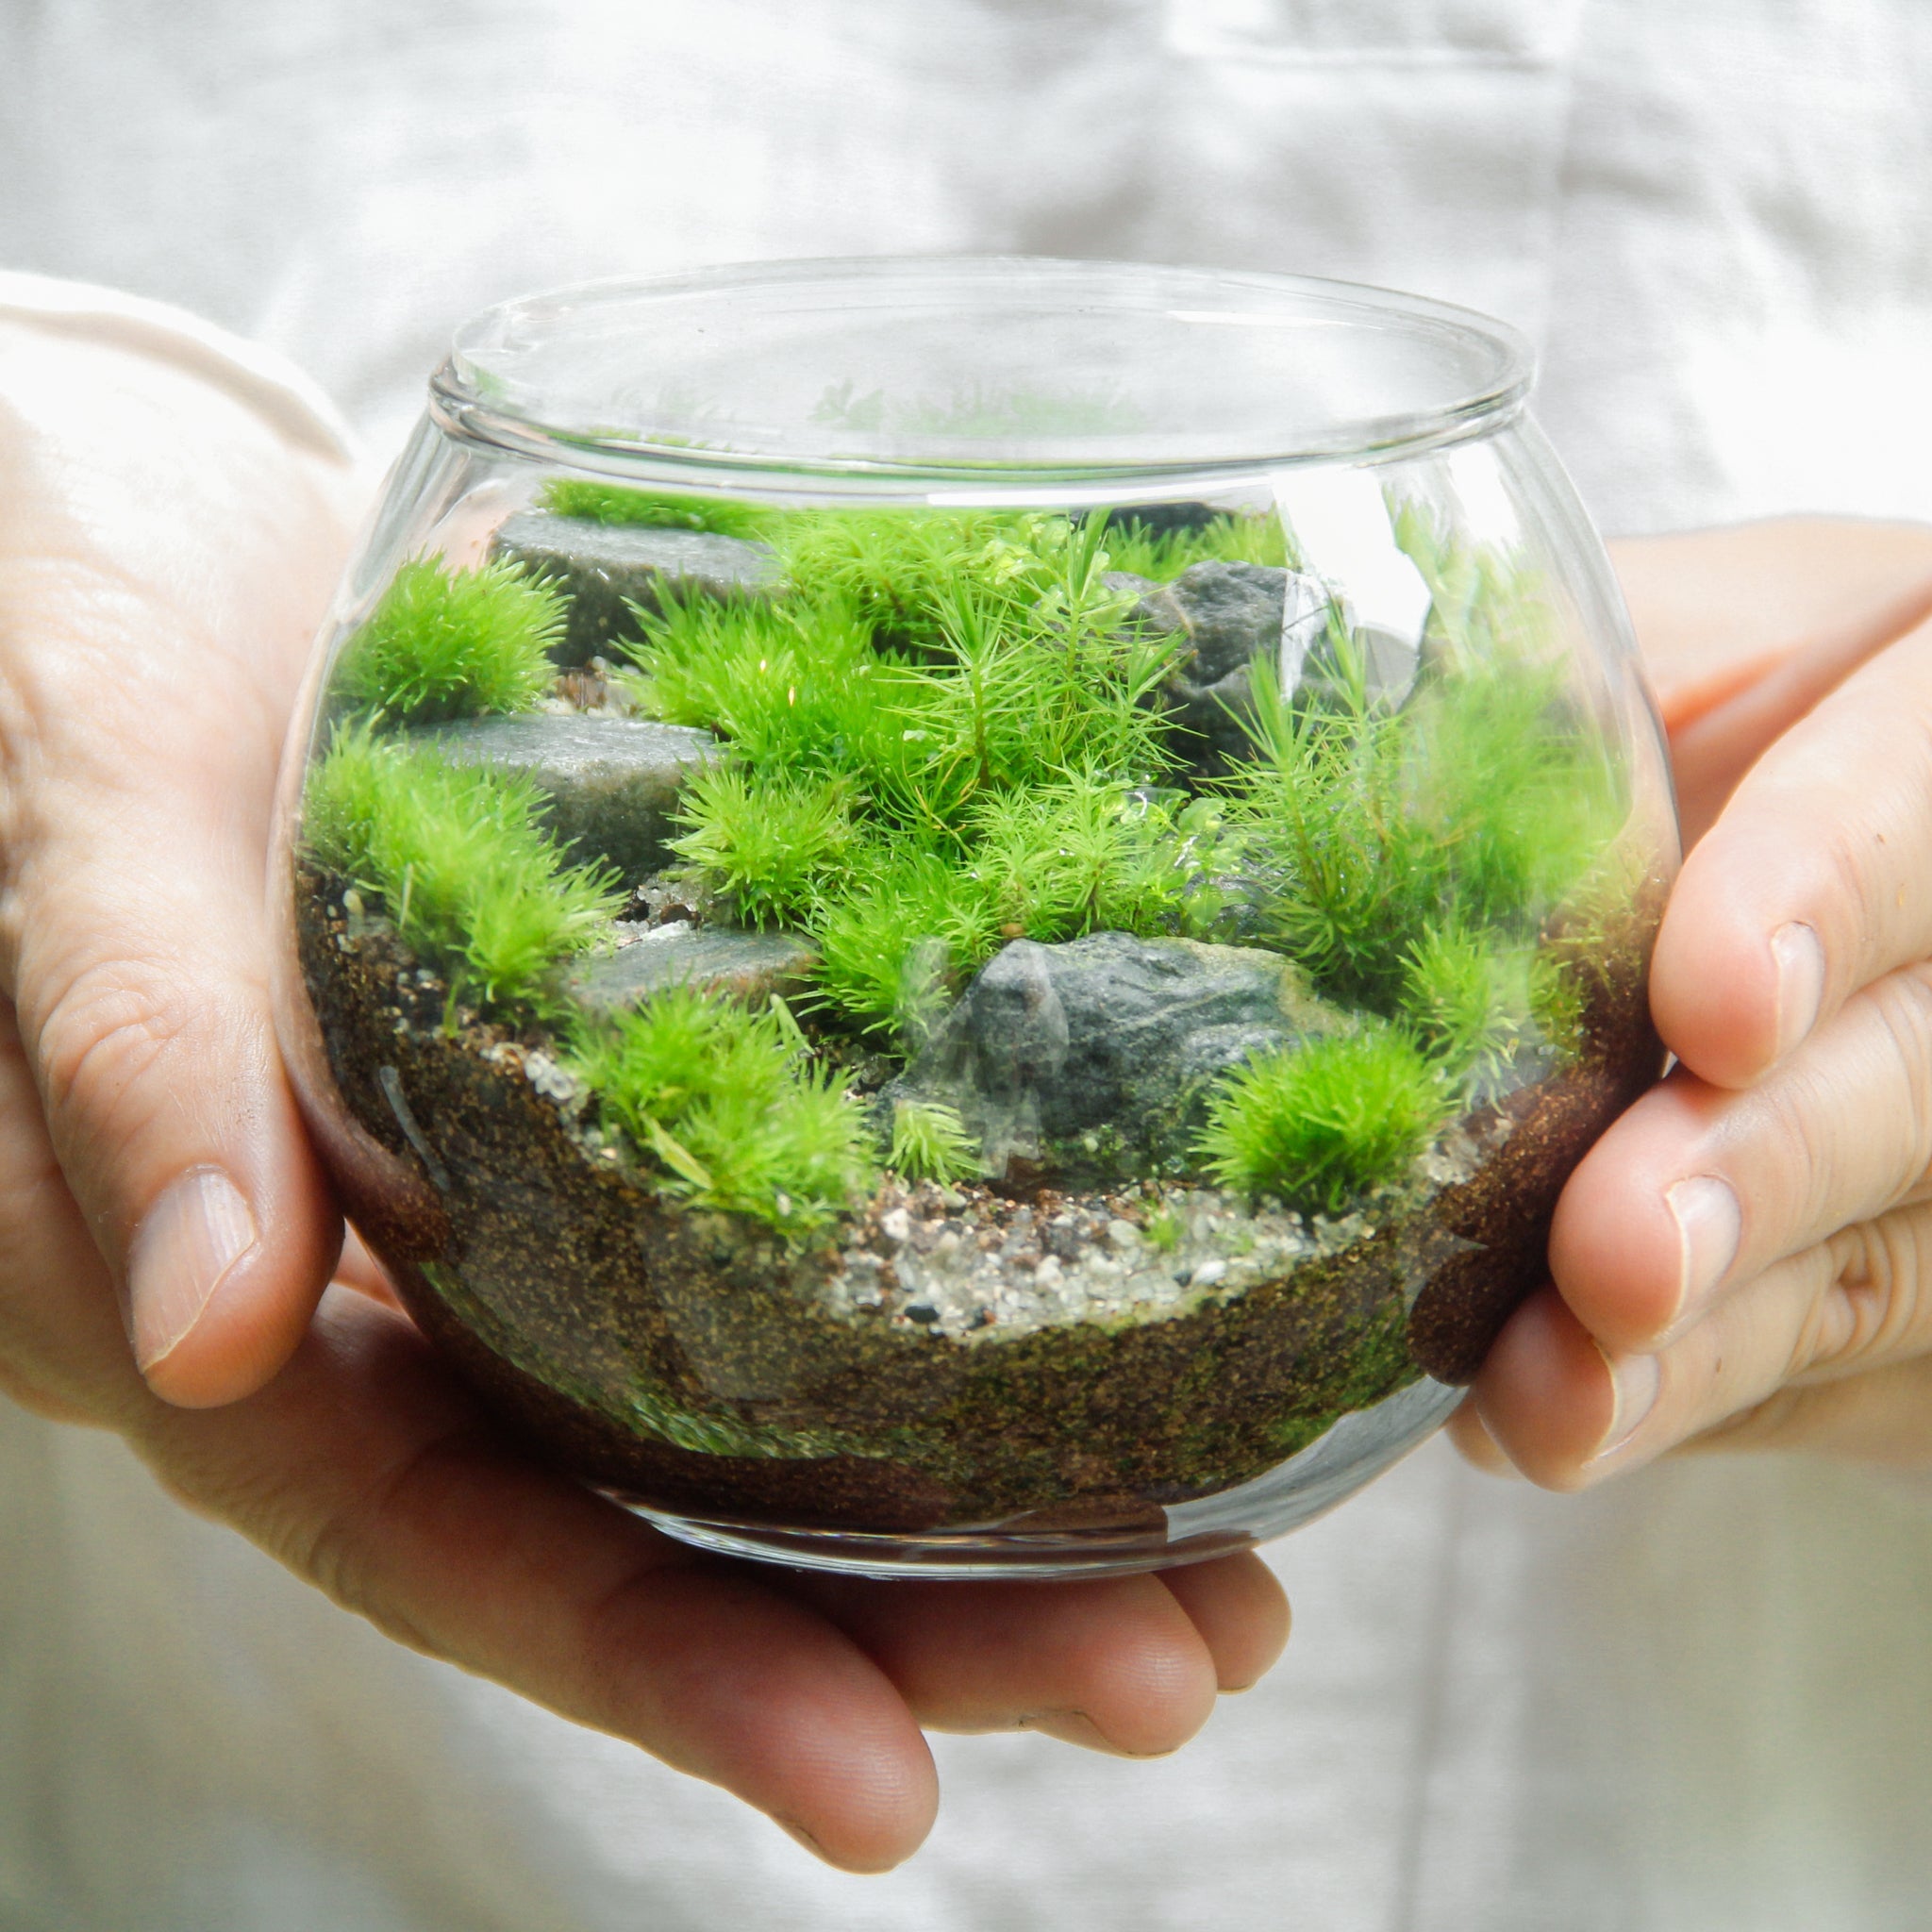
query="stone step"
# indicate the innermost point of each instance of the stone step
(602, 567)
(612, 783)
(747, 965)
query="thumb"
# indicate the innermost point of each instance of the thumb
(163, 561)
(153, 1049)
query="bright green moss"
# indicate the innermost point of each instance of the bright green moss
(474, 885)
(616, 502)
(1081, 855)
(1466, 1001)
(795, 686)
(725, 1112)
(931, 1143)
(1163, 555)
(768, 843)
(445, 644)
(900, 568)
(1319, 1124)
(899, 940)
(1476, 809)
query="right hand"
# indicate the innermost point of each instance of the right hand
(164, 560)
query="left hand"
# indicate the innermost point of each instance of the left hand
(1744, 1261)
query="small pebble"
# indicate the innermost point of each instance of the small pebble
(921, 1311)
(896, 1224)
(1048, 1273)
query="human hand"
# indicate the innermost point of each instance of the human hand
(1744, 1261)
(164, 559)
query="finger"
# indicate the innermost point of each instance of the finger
(1117, 1663)
(1695, 1189)
(1810, 885)
(1240, 1609)
(364, 1469)
(1474, 1443)
(1883, 1415)
(155, 611)
(1743, 631)
(1850, 1308)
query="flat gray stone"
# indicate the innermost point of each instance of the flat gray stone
(749, 965)
(612, 783)
(1108, 1036)
(601, 567)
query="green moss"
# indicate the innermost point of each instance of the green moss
(616, 502)
(1475, 809)
(1323, 1123)
(795, 686)
(445, 644)
(931, 1143)
(767, 843)
(474, 885)
(1163, 555)
(1466, 1001)
(897, 941)
(1058, 861)
(725, 1110)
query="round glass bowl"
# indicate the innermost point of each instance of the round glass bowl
(963, 916)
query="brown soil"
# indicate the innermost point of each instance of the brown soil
(701, 1364)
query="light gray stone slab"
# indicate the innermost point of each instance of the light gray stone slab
(602, 567)
(612, 783)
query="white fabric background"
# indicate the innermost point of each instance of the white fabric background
(1698, 1700)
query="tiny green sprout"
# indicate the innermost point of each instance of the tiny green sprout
(1557, 1004)
(453, 644)
(1322, 1124)
(616, 502)
(1162, 1228)
(931, 1142)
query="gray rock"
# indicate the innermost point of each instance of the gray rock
(1232, 613)
(749, 965)
(1073, 1054)
(612, 783)
(601, 566)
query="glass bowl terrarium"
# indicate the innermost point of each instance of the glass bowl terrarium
(964, 915)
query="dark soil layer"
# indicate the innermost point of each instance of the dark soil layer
(699, 1363)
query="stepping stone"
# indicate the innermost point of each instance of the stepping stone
(612, 783)
(602, 566)
(748, 965)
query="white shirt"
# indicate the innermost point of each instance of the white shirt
(1695, 1700)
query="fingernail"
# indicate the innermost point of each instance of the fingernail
(1635, 1379)
(199, 1229)
(1800, 982)
(1709, 1226)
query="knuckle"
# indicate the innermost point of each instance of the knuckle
(108, 1026)
(1876, 1302)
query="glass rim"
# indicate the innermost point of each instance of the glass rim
(475, 396)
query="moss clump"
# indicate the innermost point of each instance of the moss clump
(445, 644)
(1319, 1126)
(720, 1103)
(1474, 810)
(931, 1143)
(472, 882)
(1163, 555)
(1466, 1002)
(650, 509)
(766, 844)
